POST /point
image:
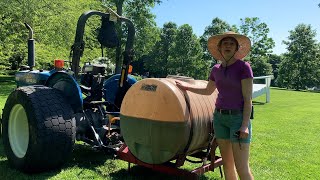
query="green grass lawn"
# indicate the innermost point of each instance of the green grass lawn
(285, 144)
(286, 136)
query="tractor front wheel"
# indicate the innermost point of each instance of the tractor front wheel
(38, 129)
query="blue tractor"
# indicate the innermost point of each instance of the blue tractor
(49, 110)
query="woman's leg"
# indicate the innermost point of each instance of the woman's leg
(241, 159)
(227, 159)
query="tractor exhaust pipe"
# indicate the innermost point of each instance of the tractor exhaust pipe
(31, 54)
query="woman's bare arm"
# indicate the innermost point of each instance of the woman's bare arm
(246, 85)
(209, 89)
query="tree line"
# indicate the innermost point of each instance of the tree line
(160, 51)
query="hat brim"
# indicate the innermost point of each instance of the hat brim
(243, 41)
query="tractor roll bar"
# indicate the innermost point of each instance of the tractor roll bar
(78, 45)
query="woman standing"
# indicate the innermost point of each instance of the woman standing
(233, 78)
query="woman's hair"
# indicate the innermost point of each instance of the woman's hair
(234, 39)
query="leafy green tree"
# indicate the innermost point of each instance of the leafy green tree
(262, 45)
(158, 60)
(217, 26)
(53, 24)
(147, 34)
(275, 61)
(186, 55)
(12, 32)
(139, 11)
(300, 66)
(261, 67)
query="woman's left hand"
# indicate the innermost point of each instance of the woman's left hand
(244, 132)
(181, 86)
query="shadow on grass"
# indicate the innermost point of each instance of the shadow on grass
(140, 172)
(8, 172)
(85, 158)
(258, 103)
(82, 157)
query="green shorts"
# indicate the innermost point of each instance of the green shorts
(225, 126)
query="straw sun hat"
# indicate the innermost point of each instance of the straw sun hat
(243, 41)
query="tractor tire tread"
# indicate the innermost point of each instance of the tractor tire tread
(51, 128)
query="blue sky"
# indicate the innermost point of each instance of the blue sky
(281, 16)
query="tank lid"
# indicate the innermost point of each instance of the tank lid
(182, 78)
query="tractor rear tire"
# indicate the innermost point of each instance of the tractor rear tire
(38, 129)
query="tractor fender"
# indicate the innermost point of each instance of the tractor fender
(69, 88)
(111, 86)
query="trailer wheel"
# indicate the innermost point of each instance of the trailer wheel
(38, 129)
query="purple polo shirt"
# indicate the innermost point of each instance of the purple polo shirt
(228, 84)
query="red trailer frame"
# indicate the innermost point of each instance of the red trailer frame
(169, 167)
